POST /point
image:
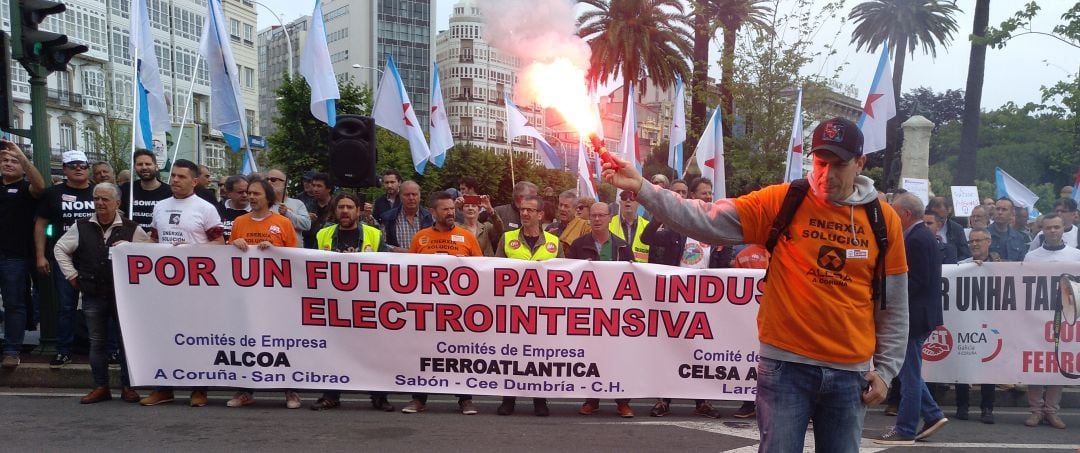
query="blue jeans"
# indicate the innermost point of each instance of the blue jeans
(67, 300)
(99, 311)
(915, 399)
(13, 275)
(790, 394)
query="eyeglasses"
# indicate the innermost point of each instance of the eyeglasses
(274, 179)
(77, 166)
(598, 216)
(976, 241)
(528, 210)
(627, 196)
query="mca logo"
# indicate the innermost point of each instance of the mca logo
(174, 219)
(831, 258)
(938, 345)
(984, 343)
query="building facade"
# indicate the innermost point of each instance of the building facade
(96, 92)
(360, 34)
(274, 62)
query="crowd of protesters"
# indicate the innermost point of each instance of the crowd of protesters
(64, 230)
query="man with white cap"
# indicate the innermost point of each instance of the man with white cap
(60, 207)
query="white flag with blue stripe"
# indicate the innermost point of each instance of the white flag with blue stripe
(394, 111)
(880, 106)
(151, 112)
(517, 125)
(441, 138)
(710, 155)
(317, 69)
(678, 129)
(226, 112)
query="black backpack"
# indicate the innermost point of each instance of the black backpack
(796, 193)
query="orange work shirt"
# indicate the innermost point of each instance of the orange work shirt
(456, 242)
(276, 229)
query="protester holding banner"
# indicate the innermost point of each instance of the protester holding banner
(235, 204)
(486, 233)
(1044, 401)
(184, 219)
(290, 207)
(84, 258)
(1009, 244)
(400, 224)
(61, 205)
(20, 187)
(802, 347)
(629, 226)
(529, 243)
(979, 243)
(444, 237)
(1066, 209)
(924, 315)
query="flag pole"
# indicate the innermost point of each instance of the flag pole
(187, 108)
(134, 118)
(510, 143)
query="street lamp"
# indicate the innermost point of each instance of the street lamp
(288, 39)
(374, 82)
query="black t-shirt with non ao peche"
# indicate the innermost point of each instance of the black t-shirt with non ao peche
(62, 205)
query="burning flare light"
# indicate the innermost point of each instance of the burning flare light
(560, 84)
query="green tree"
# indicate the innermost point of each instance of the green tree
(969, 137)
(637, 40)
(733, 15)
(905, 25)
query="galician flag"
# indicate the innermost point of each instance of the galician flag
(585, 186)
(795, 146)
(441, 138)
(517, 125)
(394, 111)
(316, 68)
(248, 166)
(1009, 187)
(678, 129)
(880, 105)
(710, 155)
(226, 114)
(628, 143)
(151, 113)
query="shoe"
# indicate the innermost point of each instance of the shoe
(1033, 419)
(129, 395)
(892, 437)
(747, 410)
(540, 407)
(467, 407)
(382, 404)
(59, 361)
(891, 410)
(114, 358)
(292, 400)
(962, 413)
(987, 416)
(413, 407)
(660, 409)
(624, 410)
(323, 404)
(96, 395)
(1055, 421)
(198, 398)
(930, 427)
(157, 397)
(507, 406)
(240, 399)
(11, 361)
(706, 410)
(590, 407)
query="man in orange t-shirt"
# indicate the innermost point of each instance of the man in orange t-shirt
(827, 347)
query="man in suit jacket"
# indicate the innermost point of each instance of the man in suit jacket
(951, 232)
(924, 311)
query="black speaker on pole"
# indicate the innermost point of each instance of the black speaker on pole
(352, 151)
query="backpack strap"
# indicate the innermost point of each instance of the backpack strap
(881, 235)
(797, 190)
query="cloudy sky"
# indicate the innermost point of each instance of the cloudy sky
(1014, 73)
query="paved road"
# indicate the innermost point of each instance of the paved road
(52, 420)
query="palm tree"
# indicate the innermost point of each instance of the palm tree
(969, 135)
(731, 16)
(635, 39)
(905, 24)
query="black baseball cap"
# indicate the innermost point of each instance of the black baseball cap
(839, 136)
(308, 176)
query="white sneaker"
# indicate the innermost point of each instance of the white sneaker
(241, 399)
(292, 400)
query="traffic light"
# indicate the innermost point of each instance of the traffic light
(51, 50)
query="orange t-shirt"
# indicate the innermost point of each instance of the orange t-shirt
(817, 300)
(456, 242)
(277, 229)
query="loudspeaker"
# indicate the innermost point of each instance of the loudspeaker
(352, 151)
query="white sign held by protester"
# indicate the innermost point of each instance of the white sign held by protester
(919, 187)
(964, 199)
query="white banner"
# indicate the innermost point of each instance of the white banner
(999, 326)
(919, 187)
(307, 319)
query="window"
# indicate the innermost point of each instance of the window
(121, 46)
(89, 137)
(93, 86)
(249, 115)
(249, 32)
(234, 28)
(159, 14)
(187, 24)
(249, 77)
(67, 136)
(215, 155)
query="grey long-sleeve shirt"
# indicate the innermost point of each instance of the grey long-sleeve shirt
(718, 223)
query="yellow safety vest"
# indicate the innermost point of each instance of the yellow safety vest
(641, 250)
(372, 236)
(517, 249)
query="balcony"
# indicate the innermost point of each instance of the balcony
(64, 99)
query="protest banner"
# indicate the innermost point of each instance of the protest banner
(307, 319)
(965, 198)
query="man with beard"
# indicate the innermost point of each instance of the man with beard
(148, 191)
(292, 208)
